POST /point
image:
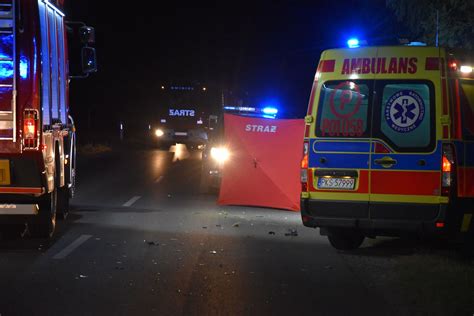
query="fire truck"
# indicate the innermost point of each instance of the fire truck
(37, 134)
(183, 113)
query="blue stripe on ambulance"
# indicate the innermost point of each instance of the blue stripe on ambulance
(341, 146)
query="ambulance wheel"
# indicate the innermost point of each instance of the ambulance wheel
(44, 224)
(345, 239)
(63, 202)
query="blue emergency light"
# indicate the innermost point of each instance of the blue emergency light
(270, 110)
(353, 43)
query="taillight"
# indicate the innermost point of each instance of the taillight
(448, 170)
(30, 129)
(304, 167)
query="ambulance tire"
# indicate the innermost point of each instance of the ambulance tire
(345, 239)
(44, 224)
(63, 202)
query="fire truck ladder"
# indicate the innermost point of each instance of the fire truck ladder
(7, 27)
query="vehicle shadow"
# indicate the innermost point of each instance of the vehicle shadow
(19, 239)
(406, 246)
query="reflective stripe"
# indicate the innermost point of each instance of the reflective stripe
(466, 223)
(16, 190)
(18, 209)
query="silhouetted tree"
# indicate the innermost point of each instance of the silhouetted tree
(455, 20)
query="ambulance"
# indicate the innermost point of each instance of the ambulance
(389, 144)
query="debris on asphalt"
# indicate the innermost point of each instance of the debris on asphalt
(328, 267)
(292, 232)
(81, 276)
(271, 233)
(151, 243)
(213, 252)
(236, 224)
(204, 227)
(97, 238)
(218, 225)
(169, 196)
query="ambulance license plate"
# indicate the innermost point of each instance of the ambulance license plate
(336, 183)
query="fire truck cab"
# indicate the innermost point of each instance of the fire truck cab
(389, 144)
(37, 134)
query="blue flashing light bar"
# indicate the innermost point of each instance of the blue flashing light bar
(416, 44)
(353, 43)
(270, 110)
(240, 108)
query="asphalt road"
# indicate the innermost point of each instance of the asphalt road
(143, 240)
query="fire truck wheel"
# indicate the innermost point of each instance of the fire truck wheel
(12, 231)
(63, 202)
(45, 222)
(345, 239)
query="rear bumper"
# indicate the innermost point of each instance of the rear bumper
(18, 209)
(189, 137)
(378, 219)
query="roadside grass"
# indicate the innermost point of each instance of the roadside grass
(93, 149)
(433, 284)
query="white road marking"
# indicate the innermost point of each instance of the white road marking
(131, 201)
(76, 243)
(159, 179)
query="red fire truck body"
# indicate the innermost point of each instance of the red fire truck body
(37, 135)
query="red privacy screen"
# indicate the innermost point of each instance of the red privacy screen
(264, 164)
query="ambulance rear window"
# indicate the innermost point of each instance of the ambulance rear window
(404, 115)
(467, 108)
(343, 109)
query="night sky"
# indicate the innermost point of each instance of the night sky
(269, 49)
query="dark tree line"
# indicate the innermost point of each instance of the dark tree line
(454, 20)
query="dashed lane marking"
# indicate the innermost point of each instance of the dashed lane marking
(76, 243)
(131, 201)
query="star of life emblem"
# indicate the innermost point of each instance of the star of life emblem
(404, 111)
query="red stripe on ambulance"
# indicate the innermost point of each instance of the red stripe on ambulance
(407, 183)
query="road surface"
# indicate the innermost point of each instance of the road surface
(143, 240)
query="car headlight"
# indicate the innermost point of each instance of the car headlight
(159, 133)
(220, 154)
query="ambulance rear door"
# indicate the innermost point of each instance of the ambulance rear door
(339, 154)
(406, 149)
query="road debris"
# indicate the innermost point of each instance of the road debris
(236, 224)
(213, 252)
(151, 243)
(271, 233)
(292, 232)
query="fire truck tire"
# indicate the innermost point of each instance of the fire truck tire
(63, 203)
(44, 224)
(12, 231)
(345, 239)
